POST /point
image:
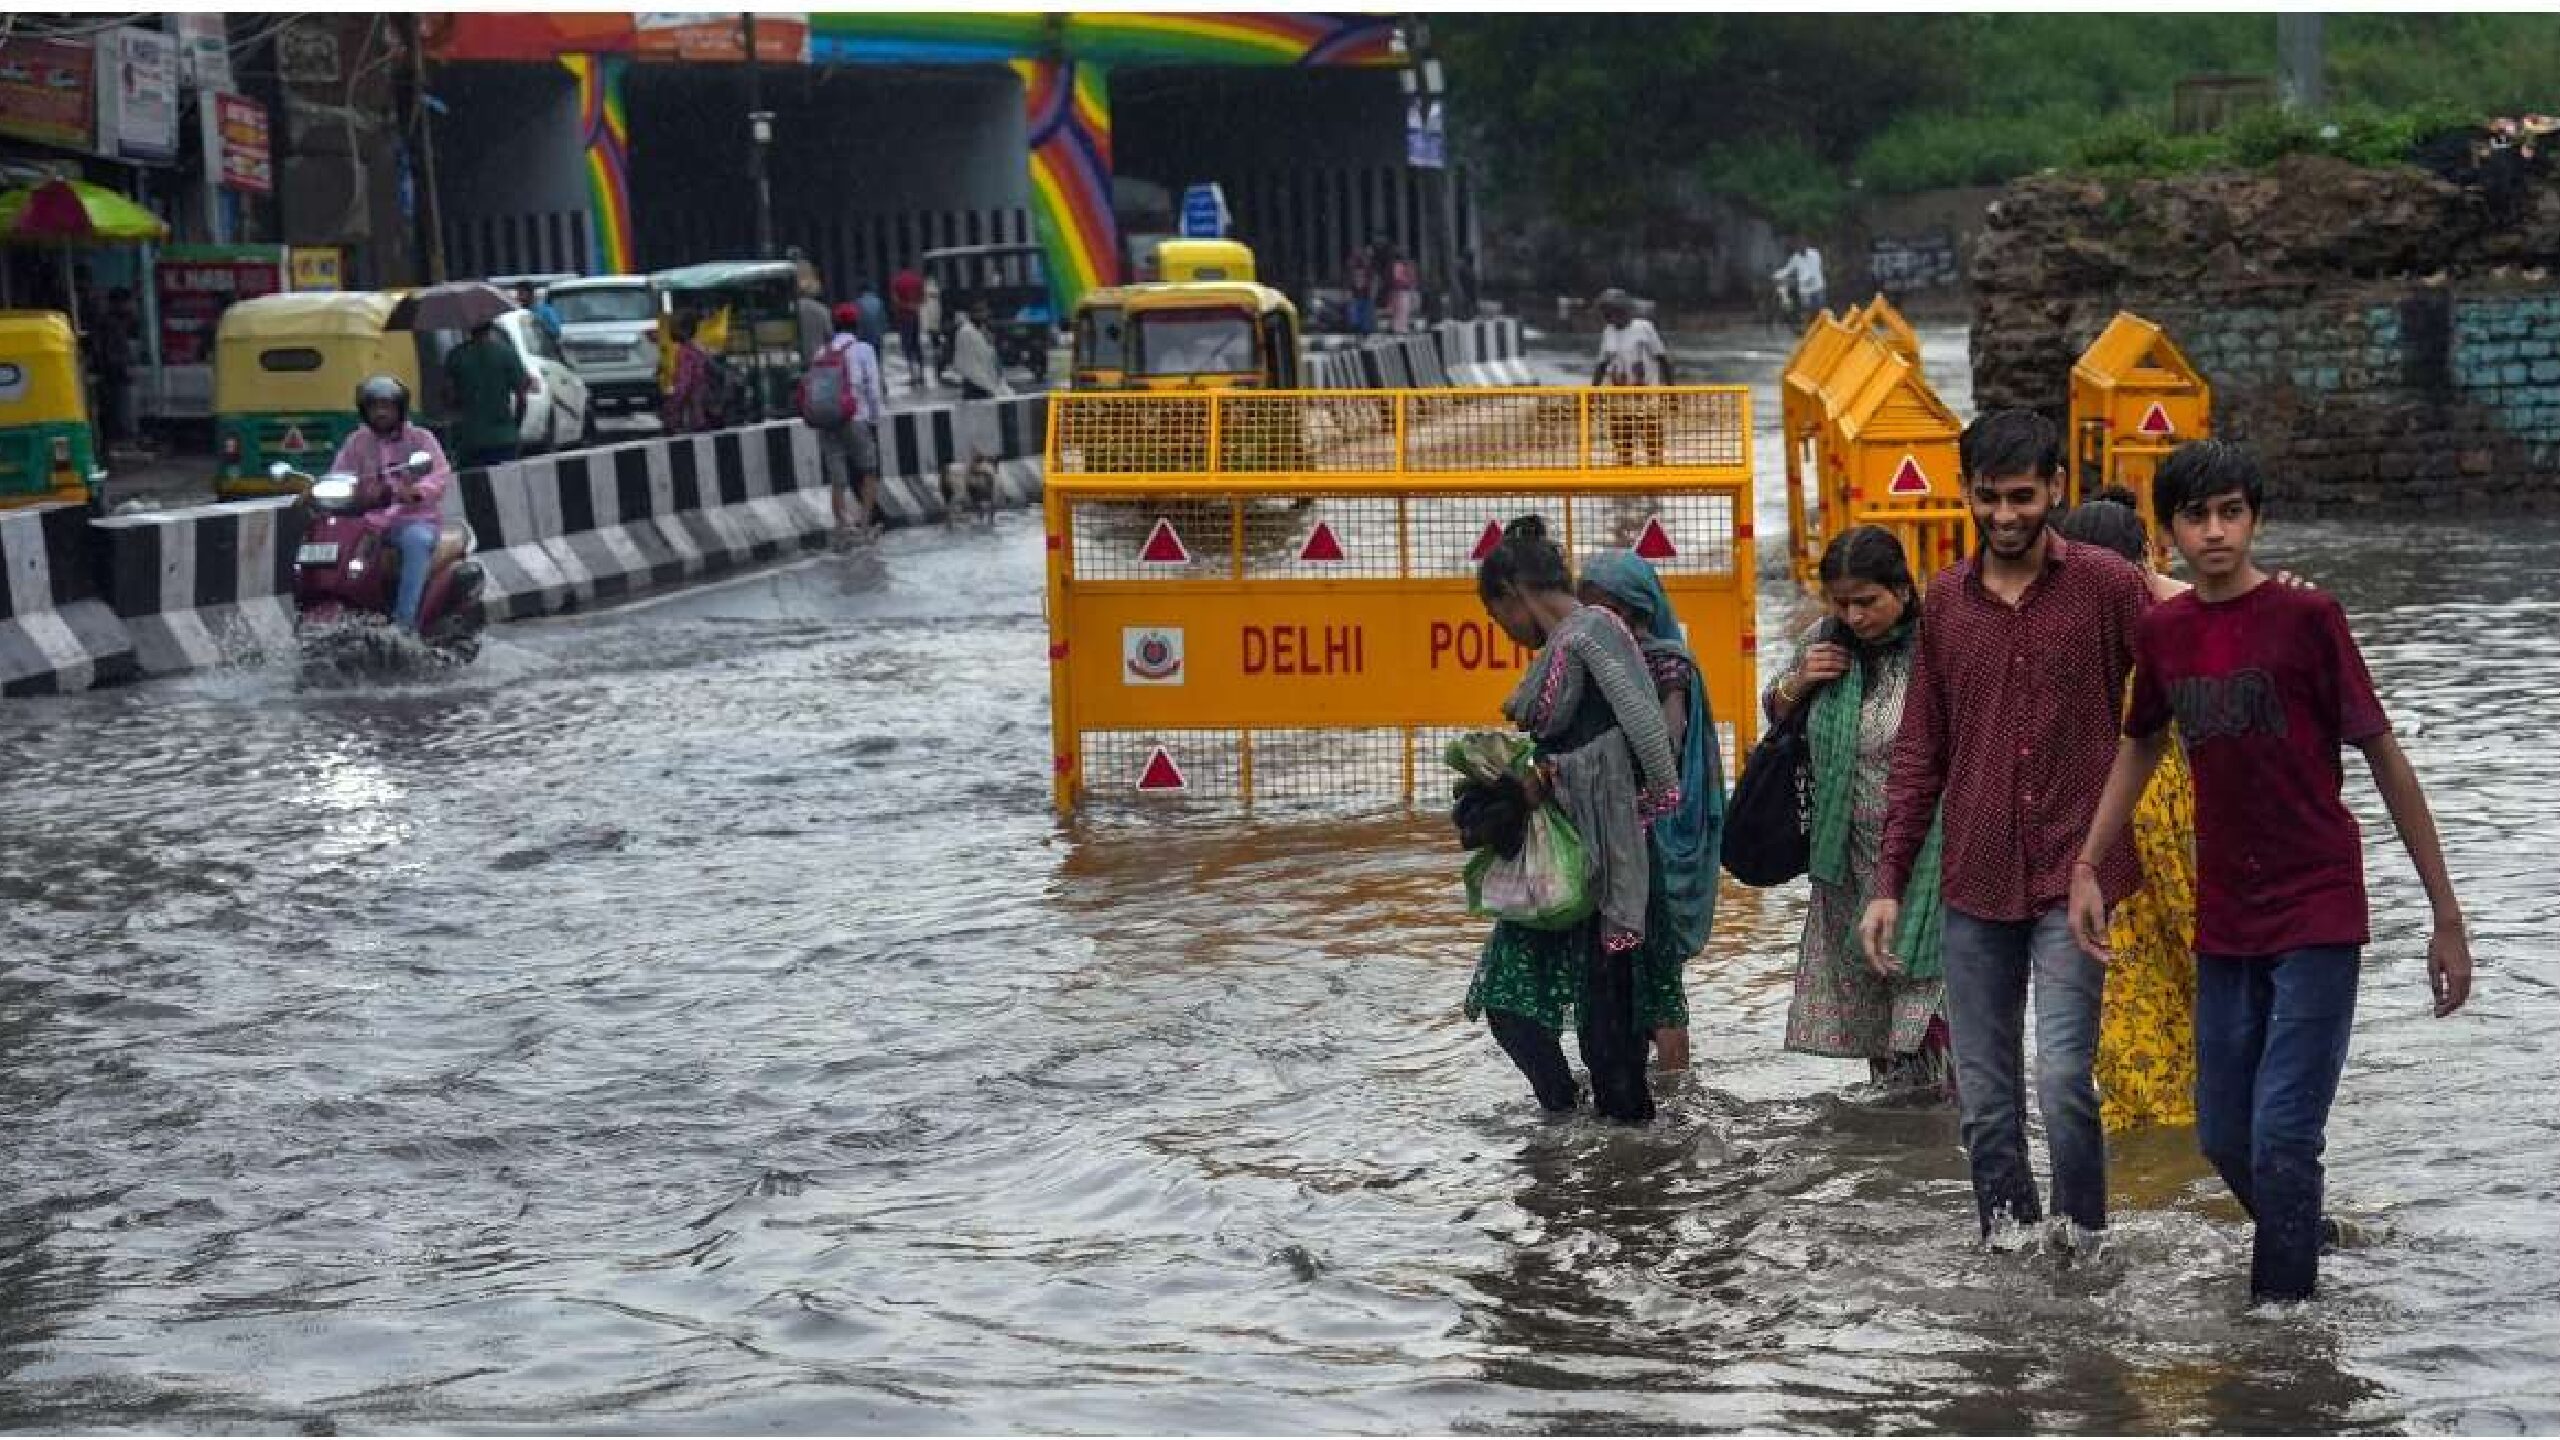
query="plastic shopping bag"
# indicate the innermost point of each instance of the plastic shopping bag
(1546, 886)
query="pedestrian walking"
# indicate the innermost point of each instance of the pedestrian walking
(694, 402)
(906, 312)
(1632, 356)
(1854, 670)
(1685, 841)
(2146, 1065)
(2266, 685)
(1802, 278)
(545, 313)
(841, 398)
(1362, 276)
(2015, 694)
(1404, 292)
(977, 429)
(1604, 755)
(487, 380)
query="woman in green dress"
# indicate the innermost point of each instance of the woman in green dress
(1687, 840)
(1603, 754)
(1855, 671)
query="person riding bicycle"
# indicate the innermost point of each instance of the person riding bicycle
(414, 520)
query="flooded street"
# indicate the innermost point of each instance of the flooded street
(695, 1019)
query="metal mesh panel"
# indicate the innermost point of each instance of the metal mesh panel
(1666, 428)
(1284, 768)
(1306, 434)
(1332, 537)
(1171, 537)
(1446, 531)
(1461, 431)
(1679, 534)
(1130, 434)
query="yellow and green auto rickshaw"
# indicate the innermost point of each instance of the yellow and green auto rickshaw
(285, 371)
(48, 450)
(1209, 335)
(749, 314)
(1100, 357)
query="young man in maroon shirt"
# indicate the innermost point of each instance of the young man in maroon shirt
(2266, 684)
(2016, 692)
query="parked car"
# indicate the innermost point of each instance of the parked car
(609, 332)
(557, 411)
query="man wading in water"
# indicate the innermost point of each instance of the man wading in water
(1604, 755)
(2016, 686)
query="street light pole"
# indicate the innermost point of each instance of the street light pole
(1426, 99)
(760, 137)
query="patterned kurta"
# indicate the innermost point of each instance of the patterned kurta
(1841, 1007)
(2146, 1066)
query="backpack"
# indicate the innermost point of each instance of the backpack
(825, 393)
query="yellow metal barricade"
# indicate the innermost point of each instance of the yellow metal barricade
(1890, 453)
(2134, 398)
(1258, 596)
(1886, 323)
(1802, 412)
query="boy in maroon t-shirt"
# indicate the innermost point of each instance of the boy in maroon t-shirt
(2266, 685)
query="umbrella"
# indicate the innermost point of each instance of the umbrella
(461, 305)
(65, 213)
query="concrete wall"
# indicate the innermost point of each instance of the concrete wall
(511, 171)
(2424, 396)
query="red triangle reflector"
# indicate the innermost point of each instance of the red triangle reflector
(1161, 773)
(1164, 547)
(2155, 421)
(1655, 542)
(1486, 542)
(1910, 479)
(1323, 546)
(294, 444)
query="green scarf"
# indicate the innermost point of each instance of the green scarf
(1833, 729)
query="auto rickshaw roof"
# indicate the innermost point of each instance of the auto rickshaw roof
(33, 329)
(728, 275)
(319, 312)
(1182, 294)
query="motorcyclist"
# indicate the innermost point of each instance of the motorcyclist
(413, 520)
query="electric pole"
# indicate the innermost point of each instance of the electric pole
(430, 204)
(760, 138)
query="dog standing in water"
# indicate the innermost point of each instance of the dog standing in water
(972, 483)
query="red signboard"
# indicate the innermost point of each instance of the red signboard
(246, 163)
(48, 92)
(198, 282)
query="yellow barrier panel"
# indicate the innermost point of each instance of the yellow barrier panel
(1255, 630)
(1868, 443)
(1886, 323)
(2134, 398)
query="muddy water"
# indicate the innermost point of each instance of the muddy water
(694, 1019)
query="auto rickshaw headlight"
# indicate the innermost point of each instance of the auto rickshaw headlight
(231, 447)
(62, 452)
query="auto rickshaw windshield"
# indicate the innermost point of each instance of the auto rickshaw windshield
(1195, 342)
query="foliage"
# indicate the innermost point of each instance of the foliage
(1594, 116)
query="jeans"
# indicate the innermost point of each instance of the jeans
(1988, 964)
(2271, 1039)
(416, 542)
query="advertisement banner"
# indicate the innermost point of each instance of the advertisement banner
(46, 92)
(196, 283)
(781, 39)
(138, 99)
(235, 144)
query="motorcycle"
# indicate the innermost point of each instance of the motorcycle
(346, 580)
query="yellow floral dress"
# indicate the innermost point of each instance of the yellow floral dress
(2146, 1067)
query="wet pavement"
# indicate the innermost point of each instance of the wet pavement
(692, 1018)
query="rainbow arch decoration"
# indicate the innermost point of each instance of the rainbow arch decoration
(605, 129)
(1063, 58)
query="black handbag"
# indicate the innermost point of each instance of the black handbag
(1768, 824)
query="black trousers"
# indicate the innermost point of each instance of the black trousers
(1613, 1048)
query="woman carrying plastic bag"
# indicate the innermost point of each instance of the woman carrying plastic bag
(1602, 754)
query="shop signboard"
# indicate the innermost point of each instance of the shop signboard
(196, 283)
(781, 38)
(204, 51)
(46, 92)
(235, 144)
(319, 267)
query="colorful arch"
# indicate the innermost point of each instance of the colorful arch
(605, 131)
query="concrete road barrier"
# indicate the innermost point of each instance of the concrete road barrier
(919, 448)
(204, 586)
(57, 633)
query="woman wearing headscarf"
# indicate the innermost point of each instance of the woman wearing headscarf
(1604, 756)
(1855, 671)
(1686, 840)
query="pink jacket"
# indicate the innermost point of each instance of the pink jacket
(366, 455)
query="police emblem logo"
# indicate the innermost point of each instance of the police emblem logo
(1151, 655)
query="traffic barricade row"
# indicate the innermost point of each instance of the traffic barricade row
(1868, 442)
(1259, 596)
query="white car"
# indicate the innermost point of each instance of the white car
(557, 412)
(609, 330)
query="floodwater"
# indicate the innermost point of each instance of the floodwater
(694, 1019)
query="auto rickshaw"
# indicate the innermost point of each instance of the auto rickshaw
(1181, 262)
(285, 371)
(48, 450)
(750, 318)
(1212, 335)
(1101, 355)
(1013, 282)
